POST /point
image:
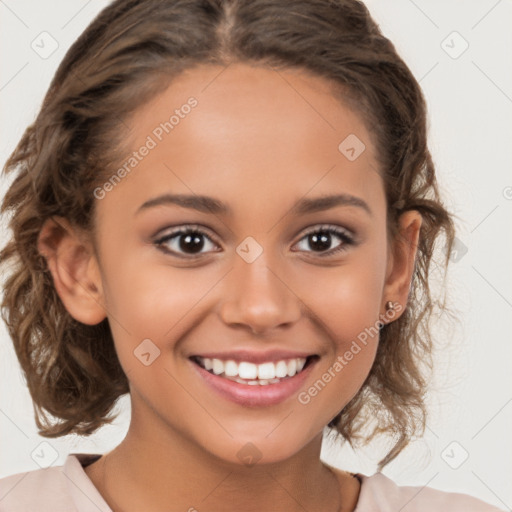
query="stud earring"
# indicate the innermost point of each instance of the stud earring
(389, 305)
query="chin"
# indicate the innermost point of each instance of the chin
(254, 450)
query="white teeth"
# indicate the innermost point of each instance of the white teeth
(247, 370)
(252, 374)
(261, 382)
(292, 367)
(266, 371)
(281, 369)
(230, 368)
(218, 366)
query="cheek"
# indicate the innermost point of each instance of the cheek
(144, 293)
(155, 301)
(347, 310)
(346, 298)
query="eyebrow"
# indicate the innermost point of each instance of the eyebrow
(211, 205)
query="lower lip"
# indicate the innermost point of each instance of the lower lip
(255, 395)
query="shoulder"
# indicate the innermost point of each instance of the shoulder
(52, 489)
(380, 493)
(41, 487)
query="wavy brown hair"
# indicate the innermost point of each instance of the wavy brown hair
(130, 52)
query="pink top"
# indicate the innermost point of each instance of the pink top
(67, 488)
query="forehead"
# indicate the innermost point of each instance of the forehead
(252, 131)
(242, 98)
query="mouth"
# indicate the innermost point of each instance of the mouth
(252, 374)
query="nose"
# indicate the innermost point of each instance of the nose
(259, 298)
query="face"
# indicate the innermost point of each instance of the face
(253, 275)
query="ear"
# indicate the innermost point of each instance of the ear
(74, 268)
(401, 261)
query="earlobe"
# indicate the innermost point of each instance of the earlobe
(74, 269)
(403, 259)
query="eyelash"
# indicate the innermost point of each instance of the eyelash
(342, 233)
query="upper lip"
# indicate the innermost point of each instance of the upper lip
(255, 357)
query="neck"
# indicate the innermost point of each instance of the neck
(160, 469)
(131, 470)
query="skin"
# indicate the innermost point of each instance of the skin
(259, 140)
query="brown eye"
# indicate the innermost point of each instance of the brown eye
(321, 240)
(185, 241)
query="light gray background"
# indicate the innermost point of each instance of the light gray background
(470, 103)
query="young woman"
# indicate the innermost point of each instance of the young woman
(228, 210)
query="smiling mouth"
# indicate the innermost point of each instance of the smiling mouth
(252, 374)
